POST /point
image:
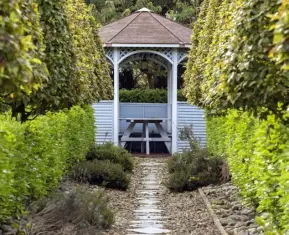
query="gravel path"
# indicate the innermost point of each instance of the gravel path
(180, 213)
(237, 217)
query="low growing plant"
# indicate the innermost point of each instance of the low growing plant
(101, 172)
(194, 167)
(110, 152)
(83, 209)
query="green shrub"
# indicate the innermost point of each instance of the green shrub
(239, 56)
(193, 168)
(21, 49)
(51, 57)
(35, 155)
(257, 152)
(102, 173)
(82, 208)
(109, 151)
(147, 95)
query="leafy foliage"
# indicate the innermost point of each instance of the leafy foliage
(281, 37)
(35, 155)
(50, 60)
(232, 60)
(22, 71)
(258, 158)
(147, 96)
(192, 86)
(109, 151)
(88, 52)
(102, 172)
(183, 11)
(193, 168)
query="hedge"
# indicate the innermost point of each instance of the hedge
(258, 156)
(21, 49)
(239, 56)
(51, 57)
(147, 95)
(35, 155)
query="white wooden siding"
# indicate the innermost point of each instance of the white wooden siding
(188, 115)
(103, 113)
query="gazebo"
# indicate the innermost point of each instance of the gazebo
(140, 35)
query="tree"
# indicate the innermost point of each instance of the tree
(183, 11)
(22, 71)
(65, 44)
(235, 64)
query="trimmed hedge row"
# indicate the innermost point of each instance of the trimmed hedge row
(239, 56)
(35, 155)
(257, 152)
(147, 95)
(51, 57)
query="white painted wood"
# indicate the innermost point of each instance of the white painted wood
(147, 138)
(116, 97)
(145, 51)
(169, 97)
(138, 139)
(143, 135)
(144, 118)
(184, 57)
(127, 133)
(147, 45)
(175, 102)
(164, 136)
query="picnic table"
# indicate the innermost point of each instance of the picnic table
(145, 133)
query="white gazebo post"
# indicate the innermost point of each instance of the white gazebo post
(116, 96)
(175, 101)
(169, 98)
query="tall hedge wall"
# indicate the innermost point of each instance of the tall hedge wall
(51, 57)
(21, 49)
(35, 155)
(258, 156)
(239, 57)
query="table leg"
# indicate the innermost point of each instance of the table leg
(147, 139)
(127, 133)
(143, 135)
(164, 135)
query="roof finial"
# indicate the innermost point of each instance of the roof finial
(144, 10)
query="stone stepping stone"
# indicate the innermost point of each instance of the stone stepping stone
(150, 230)
(146, 225)
(149, 201)
(149, 217)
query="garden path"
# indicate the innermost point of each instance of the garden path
(148, 207)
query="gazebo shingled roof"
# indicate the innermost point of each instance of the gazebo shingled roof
(145, 27)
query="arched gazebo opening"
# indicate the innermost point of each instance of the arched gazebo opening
(146, 36)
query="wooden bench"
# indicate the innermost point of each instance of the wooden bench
(145, 133)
